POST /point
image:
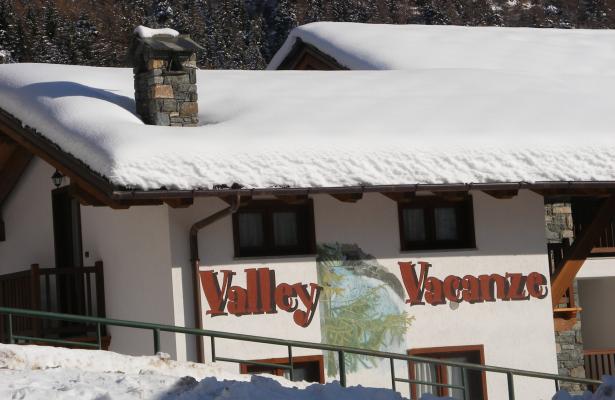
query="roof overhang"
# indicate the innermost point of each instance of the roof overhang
(94, 189)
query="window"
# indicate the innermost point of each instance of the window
(307, 368)
(434, 223)
(477, 385)
(274, 228)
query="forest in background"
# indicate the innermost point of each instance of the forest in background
(244, 34)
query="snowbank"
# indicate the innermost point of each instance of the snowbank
(145, 32)
(606, 391)
(263, 129)
(531, 50)
(44, 373)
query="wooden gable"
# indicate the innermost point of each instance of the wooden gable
(14, 160)
(304, 56)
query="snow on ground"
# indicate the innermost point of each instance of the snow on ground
(47, 373)
(264, 129)
(532, 50)
(606, 391)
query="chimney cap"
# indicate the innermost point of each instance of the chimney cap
(160, 45)
(170, 44)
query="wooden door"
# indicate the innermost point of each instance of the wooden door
(68, 251)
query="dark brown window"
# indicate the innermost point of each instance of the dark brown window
(274, 228)
(307, 368)
(477, 385)
(433, 223)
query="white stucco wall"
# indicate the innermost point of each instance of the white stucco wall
(509, 236)
(597, 298)
(134, 246)
(28, 221)
(597, 267)
(148, 275)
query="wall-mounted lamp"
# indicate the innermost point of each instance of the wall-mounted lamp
(57, 178)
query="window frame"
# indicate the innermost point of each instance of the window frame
(464, 212)
(318, 359)
(305, 229)
(441, 374)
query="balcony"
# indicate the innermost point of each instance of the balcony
(599, 363)
(78, 290)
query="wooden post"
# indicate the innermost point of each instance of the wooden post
(580, 250)
(35, 297)
(100, 293)
(100, 289)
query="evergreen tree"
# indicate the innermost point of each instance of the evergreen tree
(314, 11)
(162, 14)
(595, 14)
(430, 14)
(10, 39)
(483, 12)
(393, 8)
(247, 33)
(279, 21)
(84, 37)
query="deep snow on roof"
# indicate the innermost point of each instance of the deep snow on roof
(263, 129)
(534, 50)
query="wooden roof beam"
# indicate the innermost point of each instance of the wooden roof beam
(84, 197)
(502, 194)
(293, 199)
(580, 250)
(594, 192)
(13, 169)
(182, 202)
(452, 195)
(399, 196)
(231, 199)
(69, 166)
(347, 197)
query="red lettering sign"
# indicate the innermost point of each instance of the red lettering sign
(261, 295)
(422, 288)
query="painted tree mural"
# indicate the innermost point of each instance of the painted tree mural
(362, 305)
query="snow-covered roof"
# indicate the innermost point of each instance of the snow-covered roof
(145, 33)
(532, 50)
(264, 129)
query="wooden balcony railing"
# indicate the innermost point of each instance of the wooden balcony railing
(77, 291)
(599, 363)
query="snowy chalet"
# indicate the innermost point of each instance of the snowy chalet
(397, 205)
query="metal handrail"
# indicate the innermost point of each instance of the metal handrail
(290, 344)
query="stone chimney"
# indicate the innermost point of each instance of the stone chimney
(164, 66)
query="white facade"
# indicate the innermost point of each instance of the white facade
(596, 284)
(148, 275)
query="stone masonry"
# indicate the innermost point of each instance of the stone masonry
(558, 219)
(165, 88)
(569, 348)
(568, 338)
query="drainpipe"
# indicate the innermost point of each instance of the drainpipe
(194, 260)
